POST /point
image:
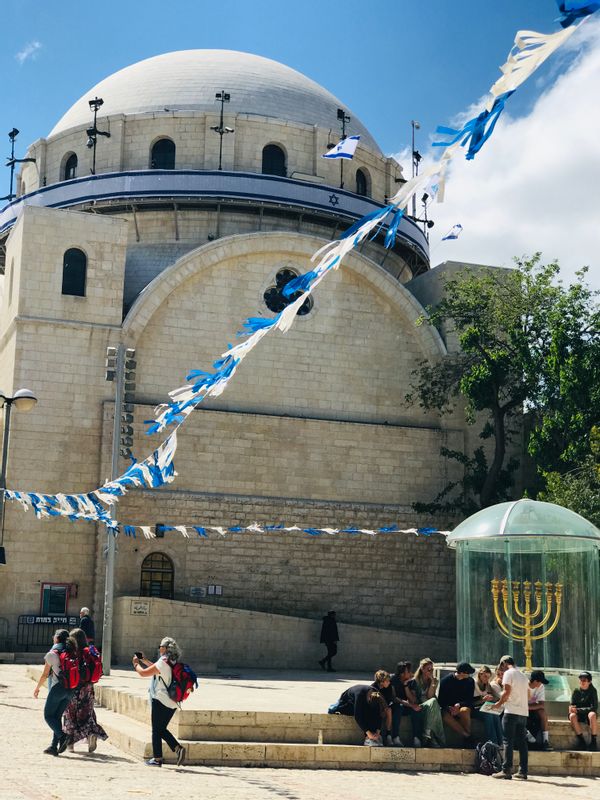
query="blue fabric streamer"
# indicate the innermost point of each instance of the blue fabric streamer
(426, 531)
(313, 531)
(388, 529)
(572, 10)
(253, 324)
(129, 530)
(200, 530)
(380, 212)
(390, 236)
(478, 130)
(279, 527)
(300, 284)
(236, 529)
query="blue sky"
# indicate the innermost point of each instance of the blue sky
(389, 61)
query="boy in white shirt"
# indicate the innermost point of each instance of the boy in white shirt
(538, 718)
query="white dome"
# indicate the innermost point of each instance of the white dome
(189, 79)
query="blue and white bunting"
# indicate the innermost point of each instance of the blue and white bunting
(154, 471)
(203, 531)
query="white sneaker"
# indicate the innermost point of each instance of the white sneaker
(397, 741)
(373, 742)
(388, 741)
(416, 742)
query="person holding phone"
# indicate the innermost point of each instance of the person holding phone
(162, 706)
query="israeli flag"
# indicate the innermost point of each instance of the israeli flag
(453, 233)
(344, 149)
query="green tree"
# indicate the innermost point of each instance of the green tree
(527, 343)
(578, 489)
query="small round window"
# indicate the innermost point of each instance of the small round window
(276, 301)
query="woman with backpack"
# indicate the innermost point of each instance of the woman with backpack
(80, 718)
(162, 705)
(59, 662)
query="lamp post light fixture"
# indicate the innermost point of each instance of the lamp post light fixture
(93, 132)
(222, 97)
(343, 118)
(12, 135)
(22, 400)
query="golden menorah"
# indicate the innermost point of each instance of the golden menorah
(527, 625)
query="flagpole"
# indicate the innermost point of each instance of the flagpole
(343, 118)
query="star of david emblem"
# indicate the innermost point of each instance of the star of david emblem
(334, 199)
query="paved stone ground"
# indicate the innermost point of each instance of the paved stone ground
(27, 774)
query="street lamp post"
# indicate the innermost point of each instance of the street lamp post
(23, 400)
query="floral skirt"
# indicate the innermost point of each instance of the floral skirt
(79, 720)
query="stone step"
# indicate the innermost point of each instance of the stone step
(134, 738)
(267, 726)
(272, 727)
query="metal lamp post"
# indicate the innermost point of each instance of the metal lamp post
(23, 400)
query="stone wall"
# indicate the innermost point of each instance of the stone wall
(197, 147)
(231, 637)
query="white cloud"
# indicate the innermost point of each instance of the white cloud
(29, 51)
(535, 185)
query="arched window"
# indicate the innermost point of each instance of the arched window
(273, 161)
(362, 183)
(70, 168)
(74, 272)
(162, 155)
(157, 576)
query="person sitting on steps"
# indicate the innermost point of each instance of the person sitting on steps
(584, 708)
(456, 701)
(538, 718)
(407, 704)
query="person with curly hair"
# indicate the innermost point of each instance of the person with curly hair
(162, 706)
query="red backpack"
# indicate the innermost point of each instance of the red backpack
(183, 682)
(91, 665)
(69, 674)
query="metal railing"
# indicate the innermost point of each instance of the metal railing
(35, 632)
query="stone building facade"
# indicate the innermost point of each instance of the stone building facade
(313, 430)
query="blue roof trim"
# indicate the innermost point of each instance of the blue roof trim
(213, 184)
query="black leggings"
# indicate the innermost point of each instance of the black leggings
(161, 716)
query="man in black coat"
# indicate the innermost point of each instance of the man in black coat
(330, 638)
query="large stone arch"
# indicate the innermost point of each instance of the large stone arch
(299, 245)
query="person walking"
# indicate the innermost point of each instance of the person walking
(161, 704)
(58, 695)
(86, 623)
(330, 638)
(80, 718)
(515, 702)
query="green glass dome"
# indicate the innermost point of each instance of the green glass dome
(524, 518)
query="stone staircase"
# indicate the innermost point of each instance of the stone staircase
(303, 741)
